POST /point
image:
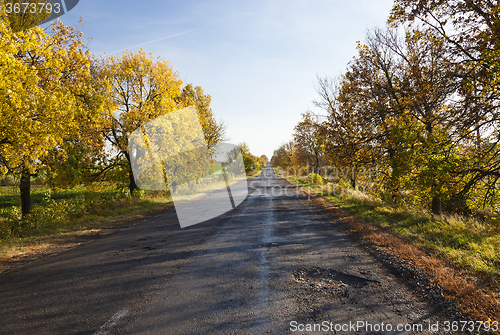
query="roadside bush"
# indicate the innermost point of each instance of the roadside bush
(139, 193)
(315, 178)
(11, 213)
(4, 228)
(39, 181)
(7, 181)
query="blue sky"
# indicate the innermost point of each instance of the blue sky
(257, 59)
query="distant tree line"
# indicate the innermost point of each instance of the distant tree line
(252, 163)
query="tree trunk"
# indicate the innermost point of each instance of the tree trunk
(25, 188)
(317, 162)
(353, 177)
(436, 205)
(132, 186)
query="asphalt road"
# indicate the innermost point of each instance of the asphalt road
(273, 265)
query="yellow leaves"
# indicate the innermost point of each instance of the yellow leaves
(137, 88)
(37, 104)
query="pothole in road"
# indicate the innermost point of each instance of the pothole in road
(320, 278)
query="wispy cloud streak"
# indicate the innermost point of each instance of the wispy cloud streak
(170, 36)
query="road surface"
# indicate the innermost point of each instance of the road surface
(274, 265)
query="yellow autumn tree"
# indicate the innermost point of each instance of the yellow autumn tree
(214, 132)
(138, 88)
(42, 96)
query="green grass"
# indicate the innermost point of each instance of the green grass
(467, 241)
(72, 209)
(9, 196)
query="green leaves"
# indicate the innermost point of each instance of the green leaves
(409, 108)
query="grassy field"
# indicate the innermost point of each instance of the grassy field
(58, 215)
(461, 254)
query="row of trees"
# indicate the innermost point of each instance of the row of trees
(67, 115)
(252, 162)
(419, 104)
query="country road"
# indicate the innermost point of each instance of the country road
(273, 265)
